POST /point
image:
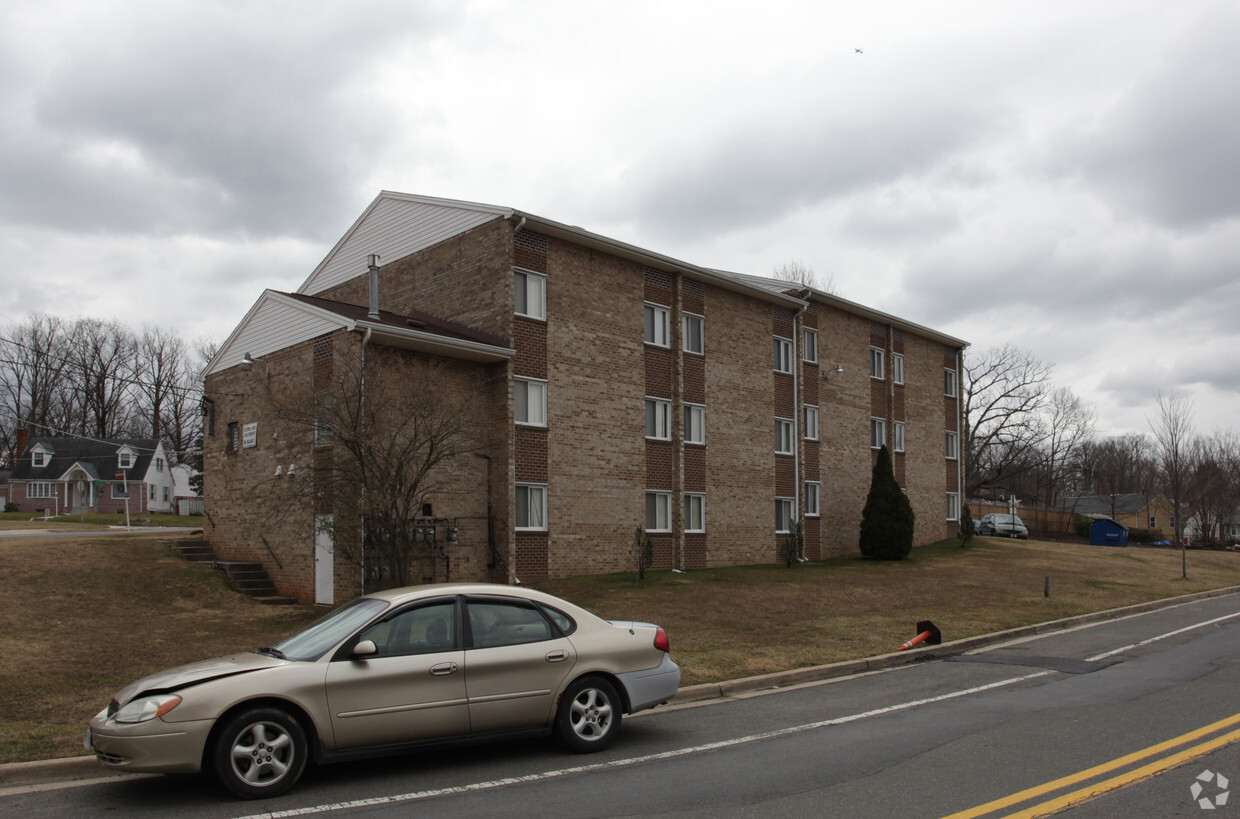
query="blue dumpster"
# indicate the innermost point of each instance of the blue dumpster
(1108, 532)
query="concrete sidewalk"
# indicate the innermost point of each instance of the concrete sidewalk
(19, 776)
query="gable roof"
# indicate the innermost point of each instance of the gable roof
(97, 458)
(279, 320)
(1125, 504)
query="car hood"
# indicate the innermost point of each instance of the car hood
(200, 672)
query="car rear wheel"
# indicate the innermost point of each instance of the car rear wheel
(260, 753)
(589, 715)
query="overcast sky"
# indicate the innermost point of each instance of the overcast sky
(1062, 176)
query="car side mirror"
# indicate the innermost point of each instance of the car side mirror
(364, 649)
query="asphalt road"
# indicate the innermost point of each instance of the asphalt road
(1125, 714)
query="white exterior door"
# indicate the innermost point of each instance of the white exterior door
(324, 561)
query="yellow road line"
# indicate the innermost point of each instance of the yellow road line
(1106, 767)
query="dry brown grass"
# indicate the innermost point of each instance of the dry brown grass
(81, 618)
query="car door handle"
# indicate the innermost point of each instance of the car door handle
(557, 656)
(443, 669)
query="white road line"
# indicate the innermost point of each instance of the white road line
(696, 749)
(637, 760)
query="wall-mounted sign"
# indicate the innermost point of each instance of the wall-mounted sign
(249, 435)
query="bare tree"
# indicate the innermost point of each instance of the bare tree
(392, 447)
(35, 361)
(1069, 423)
(1173, 447)
(798, 272)
(103, 372)
(1004, 390)
(1214, 485)
(160, 363)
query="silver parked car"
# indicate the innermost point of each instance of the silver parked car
(999, 525)
(387, 672)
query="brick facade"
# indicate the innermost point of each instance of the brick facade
(592, 454)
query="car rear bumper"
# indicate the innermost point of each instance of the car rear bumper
(651, 687)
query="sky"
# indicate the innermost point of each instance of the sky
(1062, 176)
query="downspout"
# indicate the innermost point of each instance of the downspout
(797, 411)
(961, 447)
(374, 309)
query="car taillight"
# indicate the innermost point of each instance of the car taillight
(661, 642)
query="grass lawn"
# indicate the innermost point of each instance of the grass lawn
(93, 520)
(81, 618)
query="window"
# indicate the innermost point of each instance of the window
(658, 512)
(897, 367)
(124, 459)
(783, 436)
(783, 355)
(783, 514)
(897, 432)
(119, 491)
(165, 494)
(152, 491)
(656, 325)
(953, 506)
(234, 436)
(494, 624)
(695, 513)
(40, 457)
(949, 383)
(658, 419)
(813, 498)
(1153, 522)
(531, 507)
(811, 422)
(421, 630)
(159, 464)
(876, 363)
(695, 340)
(40, 489)
(529, 399)
(878, 432)
(529, 294)
(952, 447)
(809, 345)
(695, 424)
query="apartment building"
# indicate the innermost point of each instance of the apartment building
(617, 389)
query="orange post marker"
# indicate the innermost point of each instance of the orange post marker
(928, 633)
(916, 641)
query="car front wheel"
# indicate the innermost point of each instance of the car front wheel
(260, 753)
(589, 715)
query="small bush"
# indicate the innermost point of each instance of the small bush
(967, 529)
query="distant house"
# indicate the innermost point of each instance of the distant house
(189, 502)
(1133, 510)
(73, 476)
(5, 474)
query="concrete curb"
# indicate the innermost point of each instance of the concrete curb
(47, 771)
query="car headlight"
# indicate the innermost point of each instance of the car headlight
(147, 708)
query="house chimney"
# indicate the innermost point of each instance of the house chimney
(373, 262)
(23, 440)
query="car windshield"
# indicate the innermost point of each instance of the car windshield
(1009, 519)
(311, 642)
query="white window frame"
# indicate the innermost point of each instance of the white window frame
(810, 414)
(662, 507)
(953, 506)
(535, 399)
(898, 436)
(656, 326)
(535, 501)
(781, 358)
(785, 514)
(125, 459)
(809, 345)
(658, 419)
(951, 445)
(695, 424)
(152, 491)
(120, 490)
(949, 383)
(535, 290)
(877, 363)
(878, 433)
(813, 499)
(897, 368)
(695, 512)
(783, 436)
(41, 490)
(40, 458)
(693, 328)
